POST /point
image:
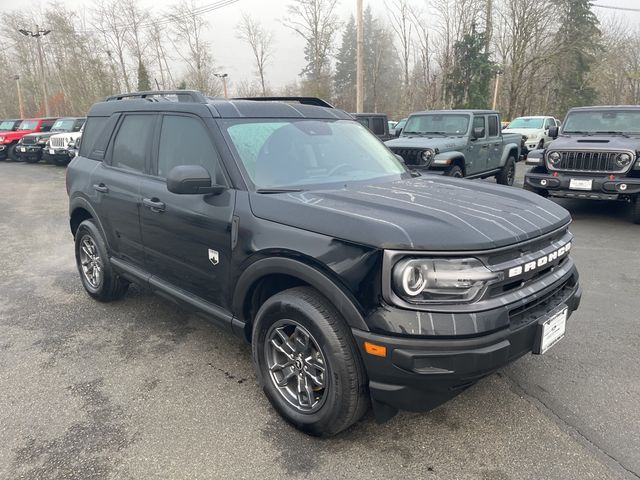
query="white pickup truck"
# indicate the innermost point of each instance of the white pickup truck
(534, 129)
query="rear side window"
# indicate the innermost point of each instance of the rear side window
(131, 142)
(493, 125)
(91, 133)
(185, 141)
(377, 125)
(479, 122)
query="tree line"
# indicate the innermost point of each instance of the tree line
(547, 55)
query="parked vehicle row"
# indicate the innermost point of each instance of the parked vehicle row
(32, 140)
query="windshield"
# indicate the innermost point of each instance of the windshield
(281, 153)
(526, 123)
(603, 121)
(63, 125)
(447, 124)
(7, 125)
(28, 125)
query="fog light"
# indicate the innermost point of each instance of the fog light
(543, 183)
(622, 187)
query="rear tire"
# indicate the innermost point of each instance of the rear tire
(635, 209)
(508, 173)
(307, 362)
(455, 172)
(92, 260)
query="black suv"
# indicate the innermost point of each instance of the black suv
(293, 226)
(595, 156)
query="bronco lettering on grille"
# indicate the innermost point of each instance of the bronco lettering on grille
(540, 262)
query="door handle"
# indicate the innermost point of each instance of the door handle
(101, 187)
(154, 204)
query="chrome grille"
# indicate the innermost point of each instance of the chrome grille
(411, 156)
(589, 161)
(28, 140)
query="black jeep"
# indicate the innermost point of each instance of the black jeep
(296, 228)
(594, 157)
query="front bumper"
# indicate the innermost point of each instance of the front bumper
(29, 151)
(602, 187)
(419, 374)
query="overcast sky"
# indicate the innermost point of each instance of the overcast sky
(234, 57)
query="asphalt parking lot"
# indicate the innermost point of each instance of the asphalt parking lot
(140, 389)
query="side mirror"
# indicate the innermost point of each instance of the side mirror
(553, 132)
(192, 180)
(478, 132)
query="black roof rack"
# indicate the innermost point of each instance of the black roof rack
(192, 96)
(318, 102)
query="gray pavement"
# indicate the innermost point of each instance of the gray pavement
(141, 389)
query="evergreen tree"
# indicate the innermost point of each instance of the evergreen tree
(468, 85)
(143, 78)
(344, 80)
(578, 44)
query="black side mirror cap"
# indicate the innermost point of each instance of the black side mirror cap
(553, 132)
(192, 180)
(478, 132)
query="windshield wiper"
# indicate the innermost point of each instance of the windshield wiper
(611, 132)
(278, 190)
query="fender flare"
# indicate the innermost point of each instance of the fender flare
(449, 158)
(506, 150)
(81, 202)
(288, 266)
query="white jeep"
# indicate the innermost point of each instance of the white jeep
(534, 129)
(60, 148)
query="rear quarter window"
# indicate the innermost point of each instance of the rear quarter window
(92, 131)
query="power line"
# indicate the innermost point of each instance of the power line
(612, 7)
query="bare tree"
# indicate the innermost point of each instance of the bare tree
(317, 23)
(400, 17)
(261, 42)
(109, 21)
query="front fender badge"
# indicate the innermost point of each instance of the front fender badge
(214, 257)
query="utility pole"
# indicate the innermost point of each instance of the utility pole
(38, 34)
(223, 76)
(359, 58)
(495, 89)
(20, 102)
(488, 30)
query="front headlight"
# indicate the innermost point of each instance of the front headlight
(554, 158)
(440, 280)
(41, 140)
(623, 160)
(427, 155)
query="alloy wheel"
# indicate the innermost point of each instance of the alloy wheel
(90, 262)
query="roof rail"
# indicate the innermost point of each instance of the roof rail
(318, 102)
(191, 96)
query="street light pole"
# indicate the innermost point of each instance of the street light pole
(38, 34)
(359, 58)
(20, 102)
(495, 89)
(223, 76)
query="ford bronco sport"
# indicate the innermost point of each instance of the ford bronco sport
(293, 226)
(459, 143)
(594, 157)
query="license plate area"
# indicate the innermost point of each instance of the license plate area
(550, 330)
(52, 151)
(580, 184)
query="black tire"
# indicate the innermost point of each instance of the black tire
(108, 286)
(508, 173)
(31, 159)
(540, 145)
(343, 399)
(455, 171)
(635, 209)
(11, 153)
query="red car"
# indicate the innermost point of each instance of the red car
(9, 138)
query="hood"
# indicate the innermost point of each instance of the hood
(65, 134)
(443, 144)
(600, 142)
(15, 135)
(41, 134)
(523, 131)
(424, 213)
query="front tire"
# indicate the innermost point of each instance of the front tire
(60, 161)
(307, 362)
(455, 171)
(508, 173)
(635, 209)
(11, 153)
(92, 260)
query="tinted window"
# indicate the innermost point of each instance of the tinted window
(478, 122)
(549, 123)
(90, 134)
(185, 141)
(377, 125)
(132, 139)
(493, 125)
(46, 125)
(363, 121)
